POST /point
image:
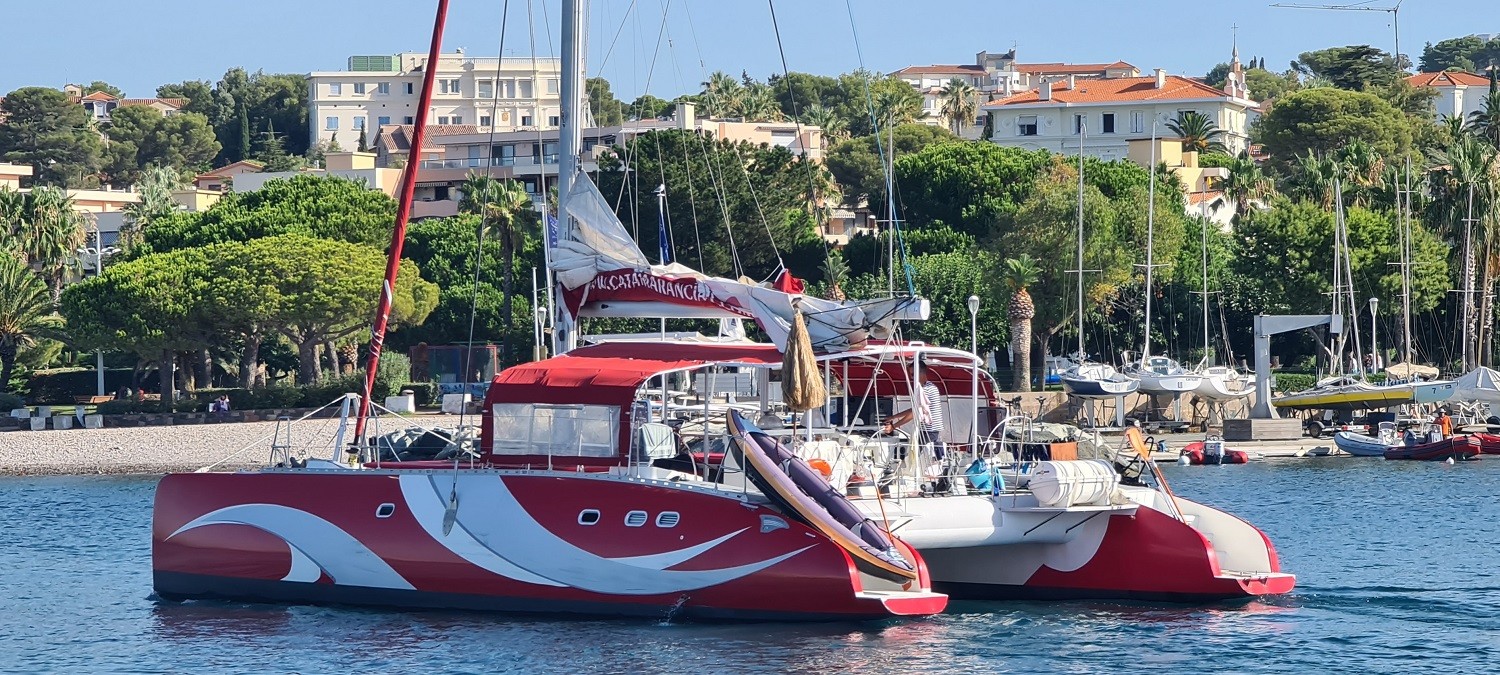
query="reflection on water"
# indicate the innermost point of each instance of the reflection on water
(1394, 564)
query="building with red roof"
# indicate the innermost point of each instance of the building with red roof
(1459, 94)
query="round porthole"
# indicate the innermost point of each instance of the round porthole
(588, 517)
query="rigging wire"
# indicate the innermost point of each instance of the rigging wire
(484, 208)
(687, 166)
(791, 95)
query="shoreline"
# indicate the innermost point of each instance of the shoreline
(157, 450)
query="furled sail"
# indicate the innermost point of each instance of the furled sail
(603, 273)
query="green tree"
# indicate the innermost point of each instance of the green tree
(966, 185)
(1265, 85)
(42, 128)
(1355, 67)
(198, 94)
(1246, 182)
(1459, 53)
(608, 111)
(320, 206)
(1323, 119)
(26, 314)
(1044, 226)
(947, 280)
(721, 95)
(101, 85)
(859, 167)
(646, 107)
(1198, 132)
(1486, 121)
(141, 137)
(797, 92)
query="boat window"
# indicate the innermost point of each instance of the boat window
(385, 510)
(667, 519)
(588, 516)
(557, 430)
(635, 519)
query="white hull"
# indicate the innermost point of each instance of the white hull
(1175, 385)
(1225, 385)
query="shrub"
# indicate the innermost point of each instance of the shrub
(425, 393)
(9, 402)
(127, 407)
(395, 369)
(1293, 382)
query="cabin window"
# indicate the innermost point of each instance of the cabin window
(556, 430)
(588, 517)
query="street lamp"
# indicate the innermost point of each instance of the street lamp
(974, 385)
(98, 251)
(1374, 343)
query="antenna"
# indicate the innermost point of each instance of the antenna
(1362, 6)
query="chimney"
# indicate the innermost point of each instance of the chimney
(1072, 81)
(1161, 79)
(1044, 92)
(685, 119)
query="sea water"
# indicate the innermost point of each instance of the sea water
(1396, 566)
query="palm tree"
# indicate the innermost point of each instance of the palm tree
(833, 127)
(505, 210)
(1465, 182)
(155, 188)
(1021, 273)
(1245, 182)
(1198, 132)
(50, 233)
(757, 103)
(1486, 121)
(894, 107)
(835, 275)
(12, 214)
(721, 94)
(959, 104)
(1315, 177)
(25, 313)
(1360, 170)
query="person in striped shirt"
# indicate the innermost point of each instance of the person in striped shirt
(931, 424)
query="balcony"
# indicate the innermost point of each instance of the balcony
(478, 162)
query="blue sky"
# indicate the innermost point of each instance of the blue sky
(144, 43)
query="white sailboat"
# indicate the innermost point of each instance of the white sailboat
(1217, 384)
(1087, 379)
(1158, 375)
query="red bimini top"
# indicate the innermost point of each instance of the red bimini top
(604, 374)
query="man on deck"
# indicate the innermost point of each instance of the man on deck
(931, 426)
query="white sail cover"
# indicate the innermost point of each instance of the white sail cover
(604, 274)
(1480, 384)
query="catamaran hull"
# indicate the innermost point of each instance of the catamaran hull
(533, 542)
(1145, 555)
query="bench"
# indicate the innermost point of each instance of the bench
(92, 400)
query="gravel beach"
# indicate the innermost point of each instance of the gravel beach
(158, 449)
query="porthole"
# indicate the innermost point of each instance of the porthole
(636, 518)
(588, 517)
(667, 519)
(385, 510)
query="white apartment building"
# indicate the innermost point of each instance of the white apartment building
(1116, 111)
(1460, 94)
(507, 94)
(997, 76)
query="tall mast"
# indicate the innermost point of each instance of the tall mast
(1150, 239)
(1082, 132)
(1203, 228)
(403, 214)
(1406, 268)
(1337, 350)
(570, 140)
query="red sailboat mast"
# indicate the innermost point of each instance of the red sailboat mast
(403, 213)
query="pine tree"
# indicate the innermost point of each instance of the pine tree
(244, 120)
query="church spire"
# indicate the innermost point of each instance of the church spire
(1234, 83)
